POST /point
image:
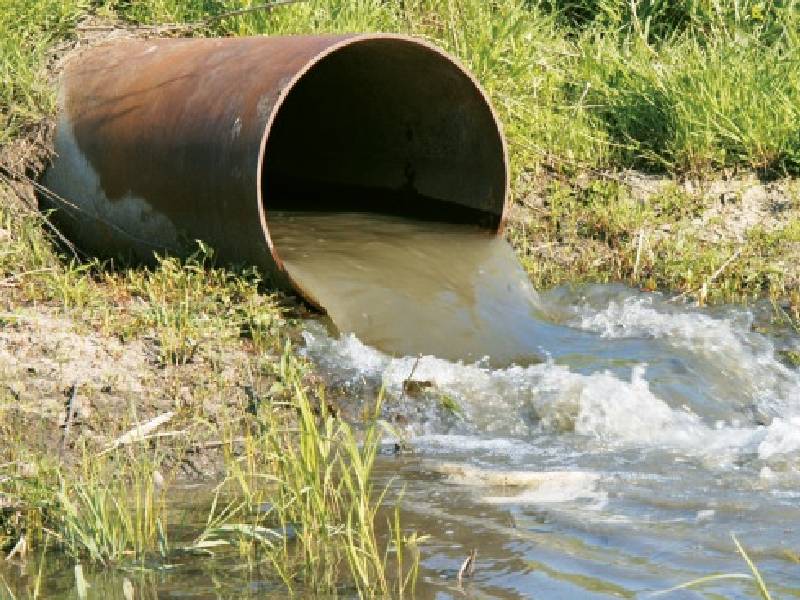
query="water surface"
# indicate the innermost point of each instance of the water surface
(685, 428)
(589, 442)
(642, 432)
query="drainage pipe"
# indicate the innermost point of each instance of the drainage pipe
(162, 142)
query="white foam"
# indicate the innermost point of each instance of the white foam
(522, 402)
(782, 437)
(743, 361)
(557, 488)
(525, 486)
(445, 443)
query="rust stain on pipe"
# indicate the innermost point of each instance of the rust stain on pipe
(164, 141)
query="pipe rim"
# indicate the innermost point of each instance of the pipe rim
(333, 48)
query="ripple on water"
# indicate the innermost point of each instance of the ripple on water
(683, 427)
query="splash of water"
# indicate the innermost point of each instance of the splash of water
(702, 385)
(615, 366)
(629, 425)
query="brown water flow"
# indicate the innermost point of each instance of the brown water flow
(411, 287)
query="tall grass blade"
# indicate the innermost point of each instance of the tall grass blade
(762, 587)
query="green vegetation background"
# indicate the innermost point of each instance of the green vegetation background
(679, 86)
(687, 89)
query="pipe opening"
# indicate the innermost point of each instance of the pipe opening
(386, 125)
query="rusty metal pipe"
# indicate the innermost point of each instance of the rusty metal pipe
(164, 141)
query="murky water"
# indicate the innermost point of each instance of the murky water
(608, 446)
(637, 434)
(414, 287)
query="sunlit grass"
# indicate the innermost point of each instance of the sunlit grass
(27, 30)
(686, 87)
(185, 304)
(655, 245)
(318, 493)
(300, 492)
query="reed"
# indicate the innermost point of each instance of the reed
(298, 495)
(320, 497)
(111, 512)
(754, 576)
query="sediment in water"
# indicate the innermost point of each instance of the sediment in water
(411, 287)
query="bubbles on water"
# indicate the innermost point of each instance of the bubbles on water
(608, 410)
(782, 437)
(504, 486)
(739, 363)
(651, 430)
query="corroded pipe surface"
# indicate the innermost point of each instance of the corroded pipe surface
(161, 142)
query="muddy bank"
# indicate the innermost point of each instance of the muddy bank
(65, 387)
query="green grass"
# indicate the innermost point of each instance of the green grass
(185, 304)
(27, 31)
(683, 87)
(108, 512)
(320, 534)
(599, 232)
(318, 485)
(694, 105)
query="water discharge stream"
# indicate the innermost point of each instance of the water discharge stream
(411, 287)
(590, 442)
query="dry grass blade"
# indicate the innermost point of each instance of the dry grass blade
(127, 589)
(703, 290)
(756, 577)
(11, 595)
(701, 581)
(165, 28)
(245, 11)
(70, 417)
(468, 566)
(81, 586)
(13, 279)
(11, 175)
(140, 432)
(20, 549)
